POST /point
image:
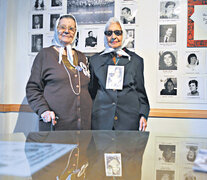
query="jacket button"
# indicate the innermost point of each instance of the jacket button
(115, 117)
(76, 75)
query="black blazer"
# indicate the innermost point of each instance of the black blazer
(118, 109)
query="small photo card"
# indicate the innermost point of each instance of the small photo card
(113, 165)
(115, 77)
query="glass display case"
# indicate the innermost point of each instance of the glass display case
(97, 155)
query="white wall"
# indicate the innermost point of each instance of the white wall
(15, 67)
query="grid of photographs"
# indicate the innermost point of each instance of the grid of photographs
(174, 157)
(91, 17)
(181, 72)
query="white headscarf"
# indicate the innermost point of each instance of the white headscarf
(56, 41)
(125, 40)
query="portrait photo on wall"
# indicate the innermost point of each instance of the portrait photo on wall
(169, 86)
(128, 13)
(38, 5)
(53, 19)
(167, 153)
(169, 10)
(37, 21)
(191, 150)
(131, 37)
(167, 33)
(91, 12)
(56, 3)
(165, 174)
(90, 39)
(193, 86)
(36, 43)
(168, 60)
(195, 62)
(189, 174)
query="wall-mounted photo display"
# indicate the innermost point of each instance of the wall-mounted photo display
(91, 39)
(167, 86)
(195, 62)
(167, 34)
(38, 5)
(36, 43)
(128, 13)
(168, 61)
(91, 12)
(169, 10)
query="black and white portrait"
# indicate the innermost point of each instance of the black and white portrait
(169, 86)
(168, 153)
(56, 3)
(191, 153)
(114, 79)
(192, 62)
(193, 87)
(37, 21)
(91, 12)
(167, 33)
(168, 60)
(39, 5)
(169, 10)
(53, 19)
(91, 39)
(37, 42)
(130, 37)
(165, 175)
(127, 16)
(113, 164)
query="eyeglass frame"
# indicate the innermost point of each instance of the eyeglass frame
(116, 32)
(63, 28)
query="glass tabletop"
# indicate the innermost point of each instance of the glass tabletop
(94, 155)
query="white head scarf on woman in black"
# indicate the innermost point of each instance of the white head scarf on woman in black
(125, 40)
(56, 41)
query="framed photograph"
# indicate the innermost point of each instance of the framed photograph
(168, 33)
(169, 10)
(37, 21)
(168, 60)
(38, 5)
(36, 42)
(53, 19)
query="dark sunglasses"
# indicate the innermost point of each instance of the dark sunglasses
(116, 32)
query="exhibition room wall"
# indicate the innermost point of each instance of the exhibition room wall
(15, 66)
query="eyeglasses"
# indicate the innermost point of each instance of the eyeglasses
(116, 32)
(64, 28)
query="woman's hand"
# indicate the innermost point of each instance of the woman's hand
(142, 124)
(48, 116)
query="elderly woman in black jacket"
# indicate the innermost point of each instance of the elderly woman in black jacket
(125, 106)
